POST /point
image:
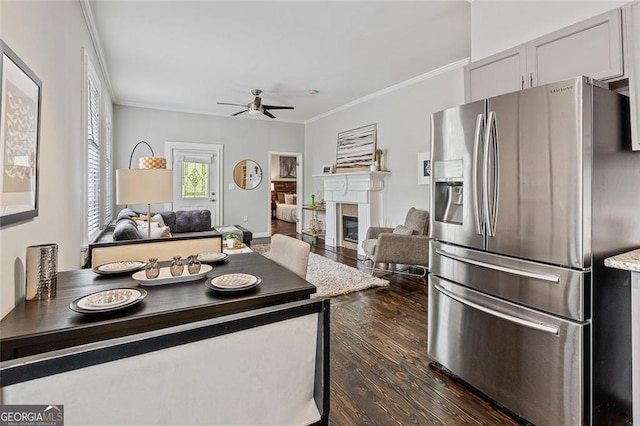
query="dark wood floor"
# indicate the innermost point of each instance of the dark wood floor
(380, 372)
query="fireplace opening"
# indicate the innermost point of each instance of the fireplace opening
(350, 229)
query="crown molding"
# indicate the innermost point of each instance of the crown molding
(202, 112)
(97, 45)
(390, 89)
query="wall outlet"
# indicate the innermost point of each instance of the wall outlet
(246, 218)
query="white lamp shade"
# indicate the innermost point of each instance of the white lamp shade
(144, 186)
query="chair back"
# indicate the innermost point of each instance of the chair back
(417, 221)
(291, 253)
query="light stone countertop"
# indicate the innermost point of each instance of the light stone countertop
(629, 261)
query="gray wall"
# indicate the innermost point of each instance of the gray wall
(48, 37)
(402, 117)
(242, 138)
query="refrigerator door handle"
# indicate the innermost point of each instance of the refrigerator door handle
(477, 211)
(496, 175)
(526, 274)
(523, 322)
(485, 175)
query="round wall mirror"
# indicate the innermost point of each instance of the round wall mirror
(247, 174)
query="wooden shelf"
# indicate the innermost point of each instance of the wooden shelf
(317, 208)
(310, 233)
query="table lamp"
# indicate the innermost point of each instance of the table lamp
(150, 184)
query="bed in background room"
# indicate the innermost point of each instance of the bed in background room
(283, 196)
(287, 212)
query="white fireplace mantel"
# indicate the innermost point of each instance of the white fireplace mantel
(361, 188)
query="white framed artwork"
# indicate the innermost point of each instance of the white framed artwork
(424, 168)
(328, 168)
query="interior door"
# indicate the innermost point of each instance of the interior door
(539, 181)
(456, 140)
(195, 184)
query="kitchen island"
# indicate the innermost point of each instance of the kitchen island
(630, 261)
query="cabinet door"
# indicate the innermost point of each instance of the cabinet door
(496, 75)
(632, 19)
(592, 48)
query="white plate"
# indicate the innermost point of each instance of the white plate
(209, 285)
(119, 267)
(108, 300)
(212, 257)
(165, 276)
(233, 281)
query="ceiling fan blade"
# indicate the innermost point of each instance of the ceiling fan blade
(276, 107)
(268, 114)
(238, 113)
(225, 103)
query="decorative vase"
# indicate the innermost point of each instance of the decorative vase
(152, 270)
(176, 267)
(313, 201)
(379, 159)
(194, 264)
(231, 242)
(42, 271)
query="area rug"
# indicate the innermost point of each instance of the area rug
(332, 278)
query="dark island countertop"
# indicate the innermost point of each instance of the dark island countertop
(34, 327)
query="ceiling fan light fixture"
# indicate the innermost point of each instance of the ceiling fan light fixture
(254, 109)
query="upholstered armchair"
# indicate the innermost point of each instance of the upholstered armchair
(406, 244)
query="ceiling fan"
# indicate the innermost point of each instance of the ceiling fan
(256, 107)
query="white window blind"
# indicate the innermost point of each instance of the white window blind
(94, 154)
(108, 192)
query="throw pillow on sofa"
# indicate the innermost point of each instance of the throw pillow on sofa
(157, 231)
(157, 218)
(169, 218)
(193, 220)
(125, 229)
(126, 213)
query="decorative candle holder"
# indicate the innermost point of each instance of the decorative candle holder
(194, 264)
(152, 270)
(176, 267)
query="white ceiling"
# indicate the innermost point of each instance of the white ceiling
(186, 56)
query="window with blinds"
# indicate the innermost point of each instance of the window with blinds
(94, 154)
(108, 191)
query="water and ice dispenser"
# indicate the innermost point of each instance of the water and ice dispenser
(448, 194)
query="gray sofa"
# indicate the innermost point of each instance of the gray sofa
(191, 232)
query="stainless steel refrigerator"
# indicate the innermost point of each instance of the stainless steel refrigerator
(531, 191)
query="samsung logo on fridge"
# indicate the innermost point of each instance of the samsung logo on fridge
(561, 89)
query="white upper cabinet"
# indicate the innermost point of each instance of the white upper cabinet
(495, 75)
(592, 48)
(632, 65)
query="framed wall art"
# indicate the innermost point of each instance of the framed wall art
(20, 104)
(424, 168)
(288, 167)
(356, 149)
(328, 169)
